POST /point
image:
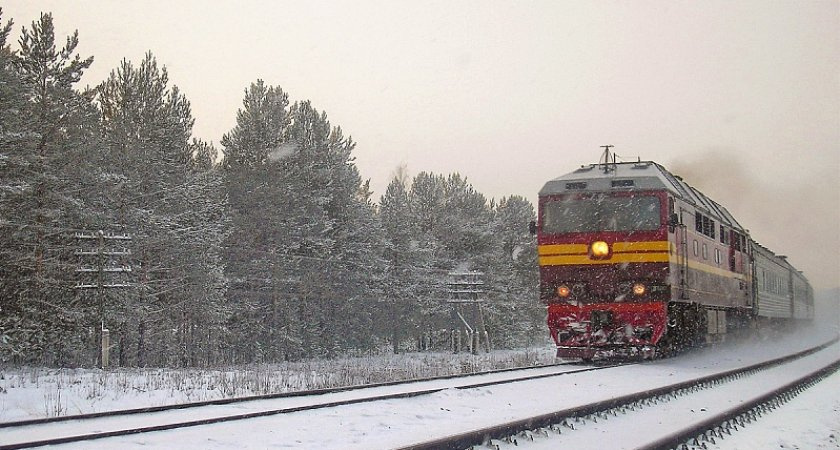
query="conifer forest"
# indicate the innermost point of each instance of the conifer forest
(267, 248)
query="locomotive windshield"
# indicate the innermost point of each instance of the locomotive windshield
(601, 213)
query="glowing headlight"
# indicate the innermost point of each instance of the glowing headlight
(600, 249)
(563, 291)
(639, 289)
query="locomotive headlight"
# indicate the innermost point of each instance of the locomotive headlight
(563, 291)
(639, 289)
(600, 249)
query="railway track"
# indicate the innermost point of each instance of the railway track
(622, 417)
(86, 427)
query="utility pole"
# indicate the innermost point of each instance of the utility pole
(95, 277)
(466, 297)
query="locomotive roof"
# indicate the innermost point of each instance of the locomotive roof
(641, 175)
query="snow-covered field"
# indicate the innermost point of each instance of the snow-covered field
(29, 393)
(810, 421)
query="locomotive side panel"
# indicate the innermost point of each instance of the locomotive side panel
(710, 264)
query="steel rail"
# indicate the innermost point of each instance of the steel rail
(508, 429)
(270, 412)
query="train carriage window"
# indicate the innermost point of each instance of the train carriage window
(705, 251)
(698, 222)
(711, 228)
(722, 235)
(695, 247)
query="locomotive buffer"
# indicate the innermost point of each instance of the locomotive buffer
(466, 290)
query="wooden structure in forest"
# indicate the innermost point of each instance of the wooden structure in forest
(466, 295)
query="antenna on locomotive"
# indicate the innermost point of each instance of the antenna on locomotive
(606, 158)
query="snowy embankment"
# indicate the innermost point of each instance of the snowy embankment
(397, 422)
(394, 423)
(30, 393)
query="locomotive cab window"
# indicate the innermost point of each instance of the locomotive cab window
(602, 213)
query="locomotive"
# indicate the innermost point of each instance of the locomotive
(635, 261)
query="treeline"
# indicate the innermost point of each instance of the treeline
(276, 252)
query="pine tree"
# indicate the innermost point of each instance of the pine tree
(337, 231)
(11, 87)
(399, 294)
(173, 208)
(260, 128)
(13, 321)
(515, 313)
(48, 133)
(466, 225)
(303, 251)
(254, 154)
(443, 224)
(432, 258)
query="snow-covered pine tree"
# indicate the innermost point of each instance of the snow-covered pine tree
(46, 137)
(394, 318)
(173, 209)
(514, 312)
(11, 103)
(302, 253)
(430, 261)
(338, 235)
(444, 224)
(465, 230)
(254, 151)
(203, 230)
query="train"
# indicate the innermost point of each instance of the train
(635, 261)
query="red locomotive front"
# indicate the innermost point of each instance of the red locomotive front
(604, 265)
(604, 256)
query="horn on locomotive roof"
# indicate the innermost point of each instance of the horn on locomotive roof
(607, 165)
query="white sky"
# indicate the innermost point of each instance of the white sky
(741, 98)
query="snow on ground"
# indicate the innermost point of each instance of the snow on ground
(401, 422)
(654, 421)
(809, 421)
(805, 423)
(30, 393)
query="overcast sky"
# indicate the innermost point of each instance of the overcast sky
(741, 98)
